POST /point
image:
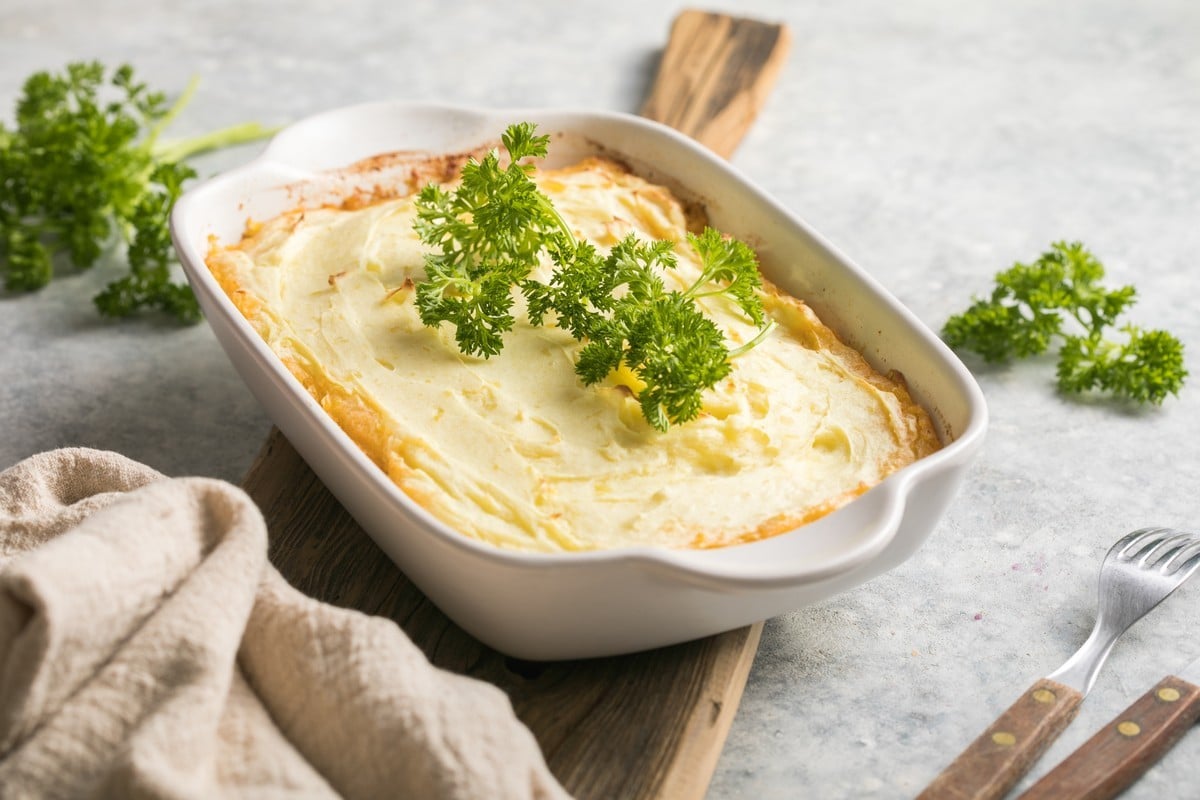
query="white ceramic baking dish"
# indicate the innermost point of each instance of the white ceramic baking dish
(539, 606)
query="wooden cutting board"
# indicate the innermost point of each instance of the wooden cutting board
(648, 725)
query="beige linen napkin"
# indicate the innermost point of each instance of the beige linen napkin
(148, 649)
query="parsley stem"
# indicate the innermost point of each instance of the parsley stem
(558, 218)
(750, 345)
(180, 103)
(179, 149)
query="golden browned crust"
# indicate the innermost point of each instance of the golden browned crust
(366, 425)
(781, 523)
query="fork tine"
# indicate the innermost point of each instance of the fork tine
(1186, 557)
(1164, 548)
(1138, 540)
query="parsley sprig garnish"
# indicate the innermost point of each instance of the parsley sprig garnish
(1031, 307)
(488, 234)
(492, 231)
(85, 165)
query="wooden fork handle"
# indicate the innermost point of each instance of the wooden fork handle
(1123, 750)
(993, 763)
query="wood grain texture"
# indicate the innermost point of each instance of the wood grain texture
(993, 763)
(648, 725)
(1122, 751)
(715, 75)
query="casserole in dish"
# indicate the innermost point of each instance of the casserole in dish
(560, 605)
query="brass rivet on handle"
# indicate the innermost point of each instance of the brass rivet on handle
(1004, 738)
(1044, 696)
(1128, 728)
(1168, 694)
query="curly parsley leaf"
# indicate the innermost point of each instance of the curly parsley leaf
(148, 284)
(491, 232)
(1146, 367)
(620, 308)
(731, 265)
(1030, 307)
(84, 166)
(487, 236)
(677, 352)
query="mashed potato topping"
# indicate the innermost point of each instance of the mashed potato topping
(515, 450)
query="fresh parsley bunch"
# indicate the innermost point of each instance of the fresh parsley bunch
(489, 234)
(1028, 310)
(84, 166)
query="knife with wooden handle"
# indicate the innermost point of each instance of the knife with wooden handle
(1122, 751)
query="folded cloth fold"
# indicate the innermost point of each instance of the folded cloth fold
(148, 649)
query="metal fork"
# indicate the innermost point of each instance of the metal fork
(1138, 573)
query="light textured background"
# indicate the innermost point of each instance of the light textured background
(933, 141)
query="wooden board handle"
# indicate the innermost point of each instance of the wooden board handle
(715, 75)
(1109, 762)
(994, 762)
